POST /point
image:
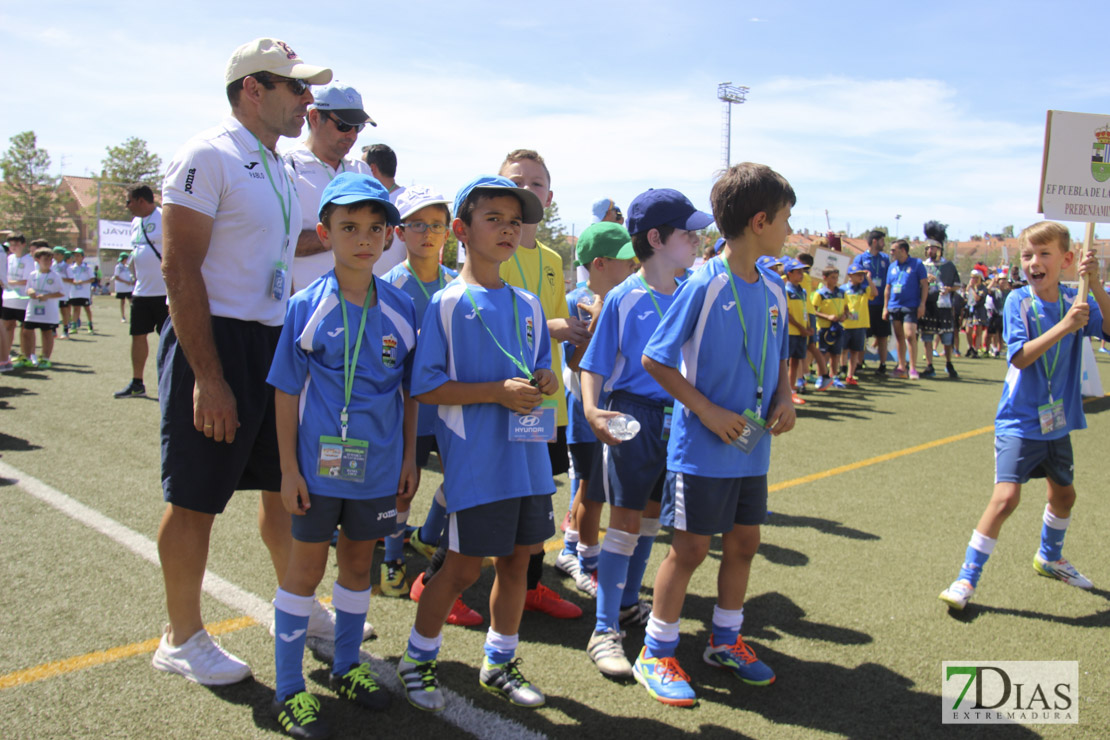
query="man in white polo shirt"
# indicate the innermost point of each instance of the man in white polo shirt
(148, 300)
(383, 166)
(231, 219)
(334, 121)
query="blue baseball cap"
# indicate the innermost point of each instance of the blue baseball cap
(719, 245)
(341, 101)
(665, 207)
(600, 208)
(858, 265)
(790, 264)
(530, 207)
(351, 187)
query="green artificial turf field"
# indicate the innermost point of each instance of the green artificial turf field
(874, 496)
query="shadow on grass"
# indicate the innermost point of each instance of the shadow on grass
(9, 443)
(826, 526)
(1096, 405)
(1100, 619)
(767, 615)
(10, 391)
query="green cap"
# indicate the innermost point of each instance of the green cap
(605, 239)
(60, 250)
(79, 251)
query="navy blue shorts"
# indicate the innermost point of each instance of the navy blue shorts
(855, 339)
(812, 338)
(361, 519)
(631, 473)
(1016, 460)
(903, 316)
(198, 473)
(880, 327)
(148, 314)
(582, 456)
(80, 302)
(494, 529)
(797, 349)
(425, 446)
(7, 313)
(700, 505)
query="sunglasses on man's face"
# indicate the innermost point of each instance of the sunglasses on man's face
(341, 126)
(297, 87)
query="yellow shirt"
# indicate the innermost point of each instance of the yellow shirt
(859, 314)
(522, 270)
(827, 305)
(797, 309)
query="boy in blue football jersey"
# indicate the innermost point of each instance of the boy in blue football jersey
(629, 475)
(605, 251)
(1044, 328)
(719, 451)
(339, 373)
(484, 359)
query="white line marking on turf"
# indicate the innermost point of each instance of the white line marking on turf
(459, 711)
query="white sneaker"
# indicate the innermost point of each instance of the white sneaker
(321, 623)
(568, 563)
(200, 659)
(607, 652)
(587, 582)
(958, 594)
(1061, 570)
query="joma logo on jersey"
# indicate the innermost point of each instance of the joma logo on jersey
(389, 350)
(189, 180)
(644, 315)
(728, 306)
(383, 515)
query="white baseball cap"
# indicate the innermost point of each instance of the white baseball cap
(271, 55)
(416, 197)
(341, 101)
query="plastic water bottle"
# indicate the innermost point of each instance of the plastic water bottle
(623, 427)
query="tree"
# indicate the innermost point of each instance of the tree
(130, 163)
(1008, 232)
(30, 200)
(552, 233)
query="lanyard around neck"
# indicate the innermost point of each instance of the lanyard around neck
(328, 168)
(286, 202)
(439, 278)
(520, 364)
(349, 365)
(766, 329)
(652, 294)
(1049, 370)
(523, 279)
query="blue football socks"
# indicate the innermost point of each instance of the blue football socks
(726, 625)
(350, 614)
(660, 638)
(978, 550)
(395, 543)
(422, 649)
(499, 648)
(432, 528)
(612, 577)
(290, 630)
(638, 564)
(1052, 536)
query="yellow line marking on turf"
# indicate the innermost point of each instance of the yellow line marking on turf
(890, 456)
(100, 657)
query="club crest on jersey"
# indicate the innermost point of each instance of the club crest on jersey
(528, 331)
(775, 319)
(389, 350)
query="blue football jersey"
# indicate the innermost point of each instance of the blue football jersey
(400, 277)
(701, 335)
(481, 464)
(1025, 390)
(578, 429)
(308, 363)
(628, 319)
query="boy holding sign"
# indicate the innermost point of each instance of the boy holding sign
(339, 373)
(485, 360)
(726, 403)
(1044, 329)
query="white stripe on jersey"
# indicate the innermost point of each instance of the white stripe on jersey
(624, 310)
(690, 350)
(408, 336)
(322, 310)
(537, 311)
(452, 416)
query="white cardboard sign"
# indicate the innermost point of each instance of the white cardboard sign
(1075, 171)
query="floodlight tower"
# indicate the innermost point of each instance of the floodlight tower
(729, 94)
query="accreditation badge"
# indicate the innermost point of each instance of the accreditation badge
(539, 425)
(345, 461)
(668, 416)
(754, 429)
(1051, 416)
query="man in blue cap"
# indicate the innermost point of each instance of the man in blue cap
(335, 119)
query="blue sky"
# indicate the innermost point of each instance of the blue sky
(931, 111)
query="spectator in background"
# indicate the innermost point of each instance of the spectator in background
(383, 166)
(878, 263)
(335, 119)
(907, 286)
(148, 303)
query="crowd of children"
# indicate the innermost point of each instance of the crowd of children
(44, 290)
(621, 380)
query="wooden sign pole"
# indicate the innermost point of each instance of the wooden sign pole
(1088, 245)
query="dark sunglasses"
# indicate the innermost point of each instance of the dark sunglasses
(267, 80)
(340, 125)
